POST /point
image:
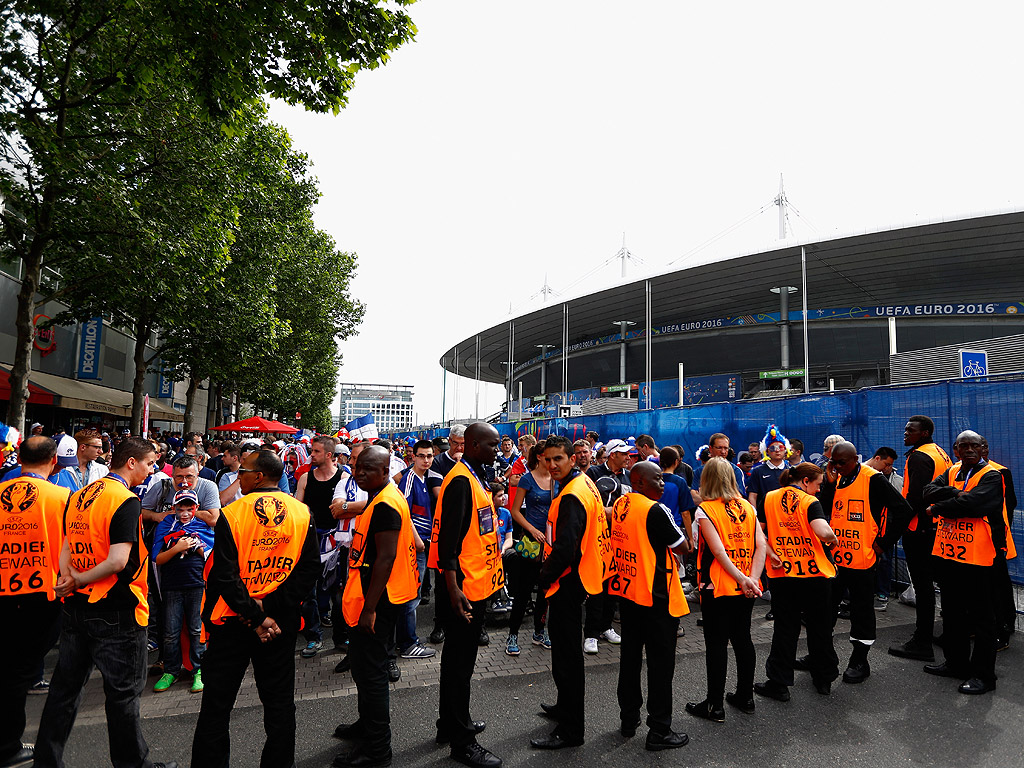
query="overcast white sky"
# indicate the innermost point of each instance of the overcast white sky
(516, 140)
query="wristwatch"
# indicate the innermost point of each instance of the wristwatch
(344, 506)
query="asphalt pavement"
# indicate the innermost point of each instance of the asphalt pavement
(898, 717)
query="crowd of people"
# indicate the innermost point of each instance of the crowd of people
(123, 550)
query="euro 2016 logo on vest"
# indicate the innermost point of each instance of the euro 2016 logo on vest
(270, 511)
(735, 511)
(88, 496)
(620, 510)
(28, 494)
(790, 502)
(837, 505)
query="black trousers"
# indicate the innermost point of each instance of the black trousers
(114, 643)
(523, 582)
(727, 620)
(34, 620)
(811, 598)
(917, 546)
(1006, 607)
(861, 586)
(565, 627)
(968, 607)
(458, 659)
(369, 656)
(230, 648)
(650, 630)
(598, 613)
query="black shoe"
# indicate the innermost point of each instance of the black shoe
(772, 690)
(474, 755)
(325, 621)
(555, 742)
(358, 759)
(824, 687)
(671, 740)
(913, 649)
(478, 726)
(769, 616)
(706, 710)
(20, 758)
(484, 638)
(343, 666)
(745, 706)
(944, 670)
(629, 729)
(350, 731)
(844, 611)
(550, 711)
(394, 673)
(802, 663)
(1002, 641)
(437, 637)
(425, 600)
(976, 686)
(171, 764)
(857, 673)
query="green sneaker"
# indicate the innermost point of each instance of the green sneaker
(197, 682)
(166, 681)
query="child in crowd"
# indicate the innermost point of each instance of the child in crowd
(181, 544)
(502, 603)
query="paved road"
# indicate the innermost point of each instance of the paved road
(900, 716)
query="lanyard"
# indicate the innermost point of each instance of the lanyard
(117, 477)
(474, 474)
(32, 474)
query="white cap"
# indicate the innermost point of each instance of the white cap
(67, 452)
(616, 446)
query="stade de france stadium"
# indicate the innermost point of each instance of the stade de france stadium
(951, 283)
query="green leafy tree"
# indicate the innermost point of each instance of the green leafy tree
(75, 75)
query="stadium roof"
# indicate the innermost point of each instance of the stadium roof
(967, 260)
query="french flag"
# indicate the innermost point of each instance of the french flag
(363, 428)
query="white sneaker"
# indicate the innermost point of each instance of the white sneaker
(590, 645)
(611, 636)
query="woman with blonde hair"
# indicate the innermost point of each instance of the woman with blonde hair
(730, 556)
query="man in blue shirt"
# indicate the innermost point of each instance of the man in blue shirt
(764, 477)
(718, 445)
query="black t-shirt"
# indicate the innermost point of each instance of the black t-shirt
(443, 464)
(124, 529)
(318, 497)
(663, 533)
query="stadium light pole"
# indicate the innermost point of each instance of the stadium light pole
(803, 278)
(784, 291)
(622, 325)
(543, 367)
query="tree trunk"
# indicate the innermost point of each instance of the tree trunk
(190, 405)
(142, 328)
(218, 418)
(22, 368)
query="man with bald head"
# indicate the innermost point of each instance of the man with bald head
(464, 547)
(868, 516)
(382, 577)
(968, 502)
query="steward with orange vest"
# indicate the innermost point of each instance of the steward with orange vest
(731, 556)
(802, 571)
(265, 561)
(1006, 604)
(577, 558)
(31, 511)
(969, 502)
(464, 547)
(925, 462)
(645, 543)
(383, 577)
(103, 580)
(868, 516)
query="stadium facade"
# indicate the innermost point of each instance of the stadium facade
(868, 296)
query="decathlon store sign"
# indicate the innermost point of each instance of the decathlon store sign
(89, 349)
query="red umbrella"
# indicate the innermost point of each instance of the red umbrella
(256, 424)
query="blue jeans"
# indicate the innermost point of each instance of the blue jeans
(111, 640)
(406, 626)
(182, 608)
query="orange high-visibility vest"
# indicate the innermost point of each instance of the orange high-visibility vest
(31, 510)
(87, 531)
(790, 535)
(1011, 547)
(480, 557)
(596, 558)
(853, 523)
(269, 529)
(941, 463)
(404, 582)
(967, 539)
(735, 520)
(634, 561)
